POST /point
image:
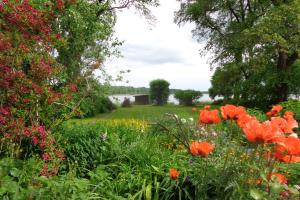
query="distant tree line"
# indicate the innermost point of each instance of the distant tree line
(137, 90)
(133, 90)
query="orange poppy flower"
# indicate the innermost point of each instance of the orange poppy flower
(209, 117)
(274, 111)
(291, 122)
(201, 148)
(232, 112)
(287, 150)
(206, 107)
(265, 133)
(280, 178)
(194, 109)
(290, 146)
(243, 119)
(173, 173)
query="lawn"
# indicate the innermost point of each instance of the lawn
(145, 112)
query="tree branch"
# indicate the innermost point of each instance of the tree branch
(233, 12)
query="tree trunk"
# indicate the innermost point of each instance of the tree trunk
(284, 64)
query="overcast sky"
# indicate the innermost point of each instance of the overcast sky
(161, 51)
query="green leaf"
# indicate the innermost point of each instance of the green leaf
(14, 172)
(256, 194)
(148, 192)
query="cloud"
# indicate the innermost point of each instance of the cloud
(163, 51)
(151, 54)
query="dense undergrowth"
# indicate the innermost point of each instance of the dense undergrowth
(115, 160)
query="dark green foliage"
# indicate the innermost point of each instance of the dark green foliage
(187, 97)
(126, 103)
(88, 145)
(93, 99)
(96, 104)
(159, 91)
(255, 47)
(20, 179)
(294, 106)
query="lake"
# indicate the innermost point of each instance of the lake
(119, 98)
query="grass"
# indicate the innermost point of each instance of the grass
(145, 112)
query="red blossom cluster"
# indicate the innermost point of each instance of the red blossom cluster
(27, 97)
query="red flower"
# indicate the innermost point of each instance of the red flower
(201, 148)
(35, 140)
(279, 177)
(72, 87)
(59, 4)
(194, 109)
(206, 107)
(232, 112)
(209, 117)
(42, 131)
(173, 173)
(265, 133)
(274, 111)
(243, 119)
(46, 156)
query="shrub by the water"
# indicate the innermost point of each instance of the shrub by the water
(187, 97)
(126, 102)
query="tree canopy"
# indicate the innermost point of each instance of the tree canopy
(258, 40)
(159, 91)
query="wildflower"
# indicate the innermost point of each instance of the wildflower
(265, 133)
(35, 140)
(209, 117)
(42, 131)
(232, 112)
(206, 107)
(274, 111)
(72, 87)
(279, 177)
(173, 173)
(201, 148)
(194, 109)
(243, 119)
(183, 120)
(46, 156)
(290, 146)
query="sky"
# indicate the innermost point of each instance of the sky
(163, 50)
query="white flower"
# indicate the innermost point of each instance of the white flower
(183, 120)
(191, 119)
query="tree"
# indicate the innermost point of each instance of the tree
(87, 31)
(187, 97)
(159, 91)
(87, 28)
(258, 38)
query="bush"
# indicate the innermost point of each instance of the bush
(126, 102)
(159, 91)
(88, 145)
(96, 104)
(187, 97)
(20, 179)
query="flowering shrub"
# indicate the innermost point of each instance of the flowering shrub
(271, 145)
(30, 101)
